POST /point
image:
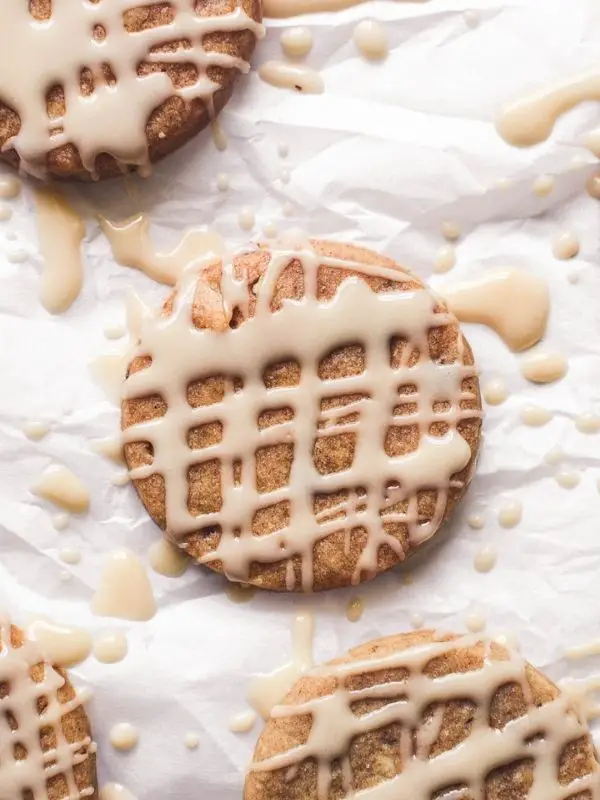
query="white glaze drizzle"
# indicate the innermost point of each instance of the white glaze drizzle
(32, 773)
(176, 347)
(113, 119)
(540, 734)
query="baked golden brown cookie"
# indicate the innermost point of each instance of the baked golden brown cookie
(45, 738)
(425, 717)
(115, 83)
(314, 425)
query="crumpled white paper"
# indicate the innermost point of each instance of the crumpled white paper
(386, 154)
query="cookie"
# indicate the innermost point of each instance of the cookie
(46, 750)
(302, 418)
(425, 717)
(112, 84)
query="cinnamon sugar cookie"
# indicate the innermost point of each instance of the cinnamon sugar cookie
(92, 87)
(46, 751)
(301, 418)
(425, 717)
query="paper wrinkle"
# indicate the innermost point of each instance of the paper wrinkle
(386, 154)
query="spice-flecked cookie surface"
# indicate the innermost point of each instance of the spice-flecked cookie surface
(425, 717)
(46, 751)
(94, 88)
(302, 417)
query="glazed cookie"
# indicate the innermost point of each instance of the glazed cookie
(46, 751)
(115, 83)
(425, 717)
(302, 418)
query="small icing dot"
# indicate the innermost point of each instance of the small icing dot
(110, 647)
(296, 42)
(60, 521)
(450, 231)
(10, 187)
(495, 391)
(371, 40)
(445, 259)
(543, 185)
(475, 521)
(120, 478)
(416, 621)
(69, 556)
(510, 514)
(485, 559)
(577, 163)
(114, 330)
(243, 722)
(246, 219)
(192, 740)
(124, 736)
(270, 230)
(554, 456)
(588, 423)
(565, 246)
(507, 640)
(568, 478)
(593, 186)
(18, 256)
(36, 429)
(476, 622)
(535, 416)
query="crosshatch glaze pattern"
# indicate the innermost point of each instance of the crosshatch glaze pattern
(41, 754)
(393, 410)
(422, 716)
(73, 73)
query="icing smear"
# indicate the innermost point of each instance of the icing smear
(380, 490)
(21, 725)
(541, 734)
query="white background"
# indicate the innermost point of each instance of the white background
(381, 158)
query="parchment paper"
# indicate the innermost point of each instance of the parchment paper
(381, 158)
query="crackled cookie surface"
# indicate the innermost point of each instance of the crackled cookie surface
(301, 418)
(46, 751)
(94, 87)
(425, 717)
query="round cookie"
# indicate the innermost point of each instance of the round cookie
(425, 717)
(313, 426)
(115, 83)
(43, 727)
